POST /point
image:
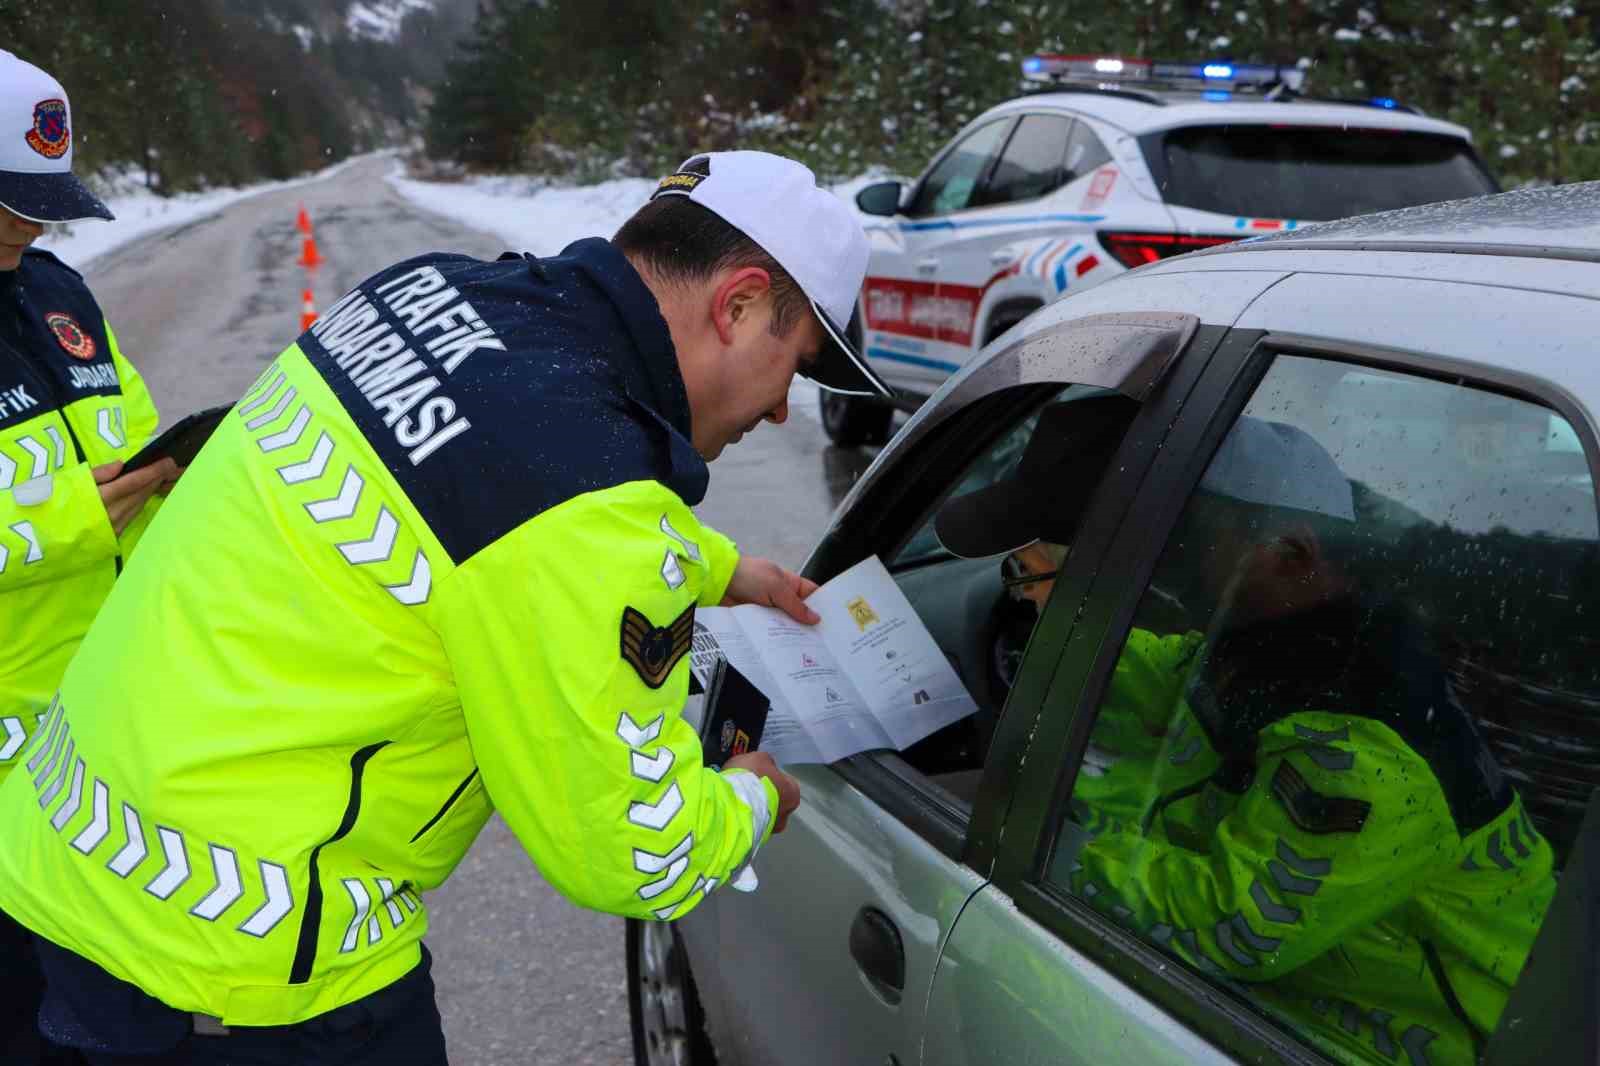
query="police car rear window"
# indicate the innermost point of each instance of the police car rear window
(1313, 173)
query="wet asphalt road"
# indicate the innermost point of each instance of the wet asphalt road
(523, 977)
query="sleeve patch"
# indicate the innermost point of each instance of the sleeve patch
(1311, 810)
(654, 650)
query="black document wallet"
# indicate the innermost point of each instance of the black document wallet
(735, 714)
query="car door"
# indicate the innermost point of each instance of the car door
(1432, 528)
(831, 959)
(901, 298)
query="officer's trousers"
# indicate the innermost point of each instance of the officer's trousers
(88, 1012)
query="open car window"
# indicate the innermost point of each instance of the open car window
(972, 601)
(1353, 729)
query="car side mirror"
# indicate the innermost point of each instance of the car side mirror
(882, 198)
(1553, 1013)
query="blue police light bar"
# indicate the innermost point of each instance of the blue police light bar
(1388, 103)
(1206, 74)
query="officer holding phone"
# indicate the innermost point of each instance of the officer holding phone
(71, 410)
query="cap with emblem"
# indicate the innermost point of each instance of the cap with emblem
(36, 179)
(813, 235)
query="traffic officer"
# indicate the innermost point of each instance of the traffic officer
(439, 561)
(1295, 799)
(71, 409)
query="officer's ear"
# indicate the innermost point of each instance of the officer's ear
(738, 299)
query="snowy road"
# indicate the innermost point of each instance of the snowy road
(523, 977)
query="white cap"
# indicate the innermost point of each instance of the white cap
(36, 178)
(813, 235)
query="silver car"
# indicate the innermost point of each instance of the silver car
(1281, 755)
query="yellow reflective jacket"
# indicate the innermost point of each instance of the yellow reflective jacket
(438, 561)
(69, 402)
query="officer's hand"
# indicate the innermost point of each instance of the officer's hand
(761, 764)
(124, 495)
(765, 582)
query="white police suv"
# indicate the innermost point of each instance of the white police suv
(1116, 163)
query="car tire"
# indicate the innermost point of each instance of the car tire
(852, 420)
(663, 1002)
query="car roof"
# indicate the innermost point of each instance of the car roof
(1559, 222)
(1140, 111)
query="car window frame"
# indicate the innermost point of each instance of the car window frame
(1061, 180)
(1010, 120)
(882, 776)
(1109, 596)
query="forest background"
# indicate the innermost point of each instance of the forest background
(206, 92)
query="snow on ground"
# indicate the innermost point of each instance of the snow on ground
(140, 211)
(533, 215)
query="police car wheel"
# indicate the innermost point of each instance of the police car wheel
(668, 1023)
(852, 420)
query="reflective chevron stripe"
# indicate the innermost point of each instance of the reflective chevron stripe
(387, 894)
(277, 380)
(176, 871)
(280, 900)
(288, 435)
(363, 907)
(659, 814)
(26, 532)
(58, 444)
(105, 424)
(285, 398)
(127, 860)
(39, 453)
(343, 505)
(312, 468)
(47, 730)
(99, 826)
(674, 863)
(416, 590)
(16, 733)
(8, 470)
(377, 547)
(69, 808)
(228, 890)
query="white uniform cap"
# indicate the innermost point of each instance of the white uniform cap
(36, 179)
(813, 235)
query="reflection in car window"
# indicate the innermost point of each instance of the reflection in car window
(1085, 152)
(1031, 164)
(1351, 732)
(949, 186)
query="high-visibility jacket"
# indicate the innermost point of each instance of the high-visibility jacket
(69, 402)
(1370, 873)
(438, 561)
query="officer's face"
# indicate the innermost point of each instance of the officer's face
(16, 233)
(759, 368)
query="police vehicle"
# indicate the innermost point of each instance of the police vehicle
(1116, 163)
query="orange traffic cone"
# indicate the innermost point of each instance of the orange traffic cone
(308, 311)
(302, 221)
(308, 254)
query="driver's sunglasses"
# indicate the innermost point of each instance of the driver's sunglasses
(1014, 575)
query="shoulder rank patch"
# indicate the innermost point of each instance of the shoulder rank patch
(654, 650)
(1311, 810)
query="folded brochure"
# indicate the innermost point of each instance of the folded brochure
(867, 676)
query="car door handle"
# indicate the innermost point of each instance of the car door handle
(876, 946)
(927, 266)
(1000, 259)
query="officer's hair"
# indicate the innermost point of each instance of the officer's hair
(681, 242)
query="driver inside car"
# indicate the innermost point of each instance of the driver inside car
(1320, 818)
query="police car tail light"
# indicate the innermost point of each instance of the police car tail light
(1137, 249)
